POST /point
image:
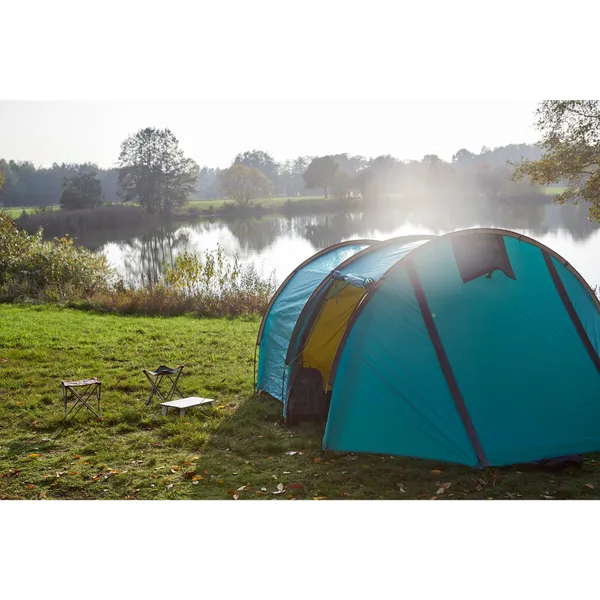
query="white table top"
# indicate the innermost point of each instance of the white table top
(187, 402)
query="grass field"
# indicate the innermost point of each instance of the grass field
(554, 191)
(16, 211)
(270, 203)
(242, 450)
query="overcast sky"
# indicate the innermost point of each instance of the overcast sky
(212, 133)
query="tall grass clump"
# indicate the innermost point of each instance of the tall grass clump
(53, 270)
(56, 270)
(211, 285)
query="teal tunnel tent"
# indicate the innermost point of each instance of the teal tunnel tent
(478, 347)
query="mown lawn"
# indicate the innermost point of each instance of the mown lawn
(554, 191)
(273, 202)
(15, 212)
(242, 450)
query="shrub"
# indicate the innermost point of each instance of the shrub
(52, 270)
(56, 270)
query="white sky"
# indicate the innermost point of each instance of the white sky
(213, 132)
(292, 78)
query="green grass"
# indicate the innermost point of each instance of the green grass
(15, 211)
(274, 202)
(243, 443)
(554, 191)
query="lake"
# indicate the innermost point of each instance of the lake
(279, 244)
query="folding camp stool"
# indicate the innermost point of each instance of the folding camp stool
(90, 387)
(158, 376)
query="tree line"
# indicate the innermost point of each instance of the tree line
(153, 171)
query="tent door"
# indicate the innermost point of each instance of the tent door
(307, 399)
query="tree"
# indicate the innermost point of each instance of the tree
(245, 185)
(1, 181)
(463, 157)
(154, 171)
(570, 137)
(321, 173)
(257, 159)
(81, 191)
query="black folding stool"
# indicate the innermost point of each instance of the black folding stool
(158, 375)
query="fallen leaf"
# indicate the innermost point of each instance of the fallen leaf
(290, 497)
(189, 475)
(205, 471)
(197, 478)
(295, 486)
(235, 496)
(77, 456)
(195, 482)
(590, 485)
(19, 403)
(34, 455)
(440, 491)
(220, 481)
(270, 458)
(548, 497)
(263, 489)
(279, 488)
(260, 493)
(436, 472)
(231, 492)
(187, 463)
(320, 498)
(31, 486)
(72, 473)
(195, 458)
(242, 489)
(292, 452)
(316, 460)
(175, 468)
(42, 494)
(401, 487)
(169, 486)
(274, 476)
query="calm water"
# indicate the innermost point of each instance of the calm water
(279, 244)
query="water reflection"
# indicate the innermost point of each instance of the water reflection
(281, 243)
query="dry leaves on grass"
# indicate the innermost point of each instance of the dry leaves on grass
(442, 487)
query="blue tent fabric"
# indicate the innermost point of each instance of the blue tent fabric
(378, 405)
(498, 367)
(583, 304)
(371, 263)
(281, 319)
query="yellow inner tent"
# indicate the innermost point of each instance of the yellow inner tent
(329, 328)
